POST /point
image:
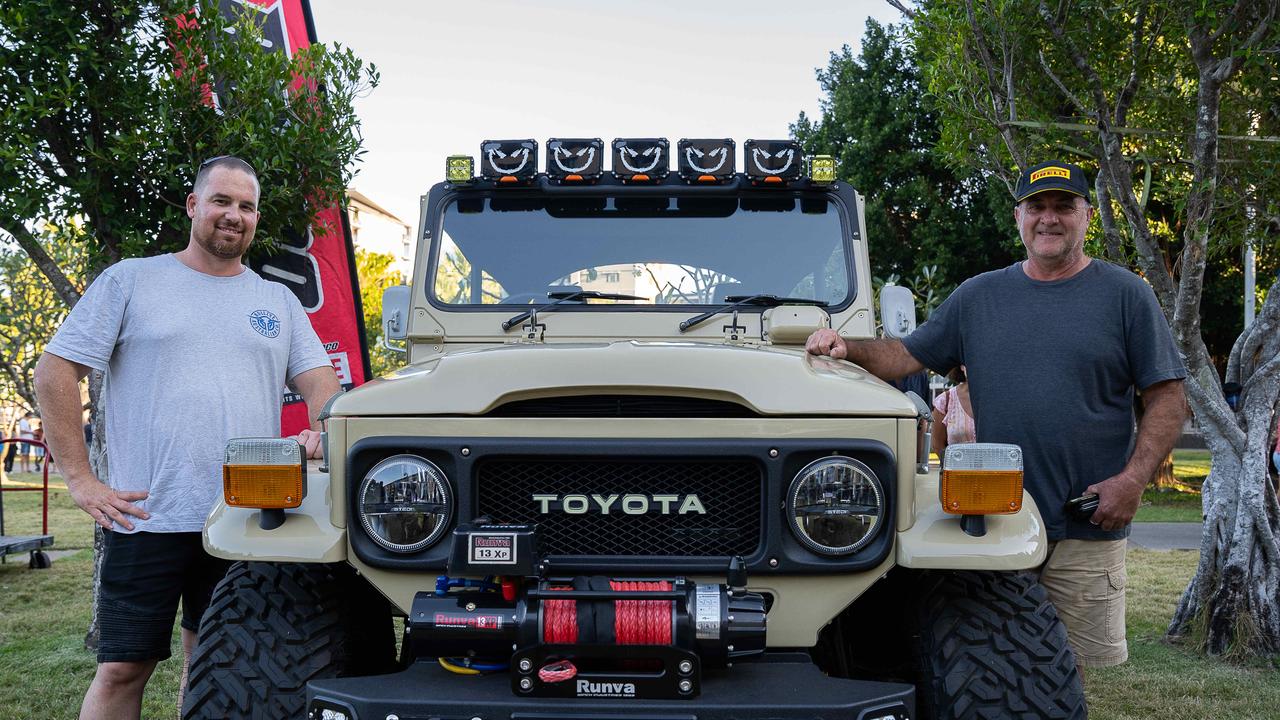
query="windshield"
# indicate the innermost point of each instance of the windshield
(666, 250)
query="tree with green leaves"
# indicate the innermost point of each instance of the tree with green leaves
(1175, 105)
(30, 311)
(929, 226)
(376, 275)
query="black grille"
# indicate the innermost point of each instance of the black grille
(623, 406)
(730, 490)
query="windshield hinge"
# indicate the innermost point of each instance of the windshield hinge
(532, 331)
(733, 332)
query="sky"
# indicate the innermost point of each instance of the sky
(457, 73)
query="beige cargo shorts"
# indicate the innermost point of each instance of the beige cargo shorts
(1086, 582)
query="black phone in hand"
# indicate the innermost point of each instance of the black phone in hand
(1083, 507)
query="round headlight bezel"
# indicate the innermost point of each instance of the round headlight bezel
(435, 474)
(794, 488)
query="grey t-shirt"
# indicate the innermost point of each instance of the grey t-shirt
(192, 360)
(1052, 366)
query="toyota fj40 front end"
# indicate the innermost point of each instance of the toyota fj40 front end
(610, 482)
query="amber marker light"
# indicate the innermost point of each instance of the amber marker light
(981, 479)
(268, 473)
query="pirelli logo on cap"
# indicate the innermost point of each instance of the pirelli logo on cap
(1049, 172)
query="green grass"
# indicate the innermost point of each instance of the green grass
(71, 528)
(44, 666)
(1182, 503)
(1171, 682)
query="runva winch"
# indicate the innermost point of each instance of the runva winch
(580, 636)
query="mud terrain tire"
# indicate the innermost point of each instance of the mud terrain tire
(991, 645)
(270, 628)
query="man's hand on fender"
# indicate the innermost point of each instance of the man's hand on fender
(310, 442)
(827, 342)
(105, 505)
(1118, 499)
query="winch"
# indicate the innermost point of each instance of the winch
(581, 636)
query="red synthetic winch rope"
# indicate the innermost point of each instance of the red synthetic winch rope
(636, 622)
(642, 622)
(558, 671)
(560, 620)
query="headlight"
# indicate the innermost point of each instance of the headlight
(405, 503)
(835, 505)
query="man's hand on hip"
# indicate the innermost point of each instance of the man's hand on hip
(1118, 499)
(105, 505)
(827, 342)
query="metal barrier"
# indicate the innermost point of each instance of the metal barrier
(29, 543)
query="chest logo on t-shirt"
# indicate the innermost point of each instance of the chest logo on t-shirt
(265, 322)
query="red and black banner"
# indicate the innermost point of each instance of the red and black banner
(318, 265)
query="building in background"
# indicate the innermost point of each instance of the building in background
(376, 229)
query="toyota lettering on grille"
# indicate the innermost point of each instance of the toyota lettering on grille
(629, 504)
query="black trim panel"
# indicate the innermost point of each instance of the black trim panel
(777, 542)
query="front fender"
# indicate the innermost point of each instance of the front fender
(935, 540)
(308, 535)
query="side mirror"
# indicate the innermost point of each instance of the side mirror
(897, 311)
(395, 315)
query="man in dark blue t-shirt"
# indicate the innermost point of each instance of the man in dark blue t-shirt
(1055, 347)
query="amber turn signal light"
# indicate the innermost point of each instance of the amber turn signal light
(981, 479)
(268, 473)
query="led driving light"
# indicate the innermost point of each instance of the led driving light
(981, 479)
(707, 161)
(509, 161)
(822, 169)
(641, 159)
(835, 505)
(458, 169)
(575, 161)
(405, 503)
(772, 161)
(266, 473)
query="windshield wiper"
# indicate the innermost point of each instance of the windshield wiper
(737, 301)
(565, 296)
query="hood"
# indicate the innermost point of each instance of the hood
(769, 380)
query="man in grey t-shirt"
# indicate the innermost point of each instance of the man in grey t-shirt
(1055, 347)
(196, 349)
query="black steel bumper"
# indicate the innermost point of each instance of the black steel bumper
(764, 690)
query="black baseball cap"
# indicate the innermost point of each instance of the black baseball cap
(1052, 175)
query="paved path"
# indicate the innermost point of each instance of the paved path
(1165, 535)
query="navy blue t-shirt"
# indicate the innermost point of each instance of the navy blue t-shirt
(1052, 366)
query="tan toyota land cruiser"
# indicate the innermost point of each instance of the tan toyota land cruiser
(610, 483)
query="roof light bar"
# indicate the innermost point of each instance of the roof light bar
(578, 160)
(772, 161)
(707, 161)
(509, 161)
(641, 159)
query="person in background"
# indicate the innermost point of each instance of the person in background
(11, 449)
(26, 431)
(1275, 452)
(38, 434)
(952, 414)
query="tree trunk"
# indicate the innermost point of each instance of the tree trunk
(98, 463)
(1234, 599)
(1165, 479)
